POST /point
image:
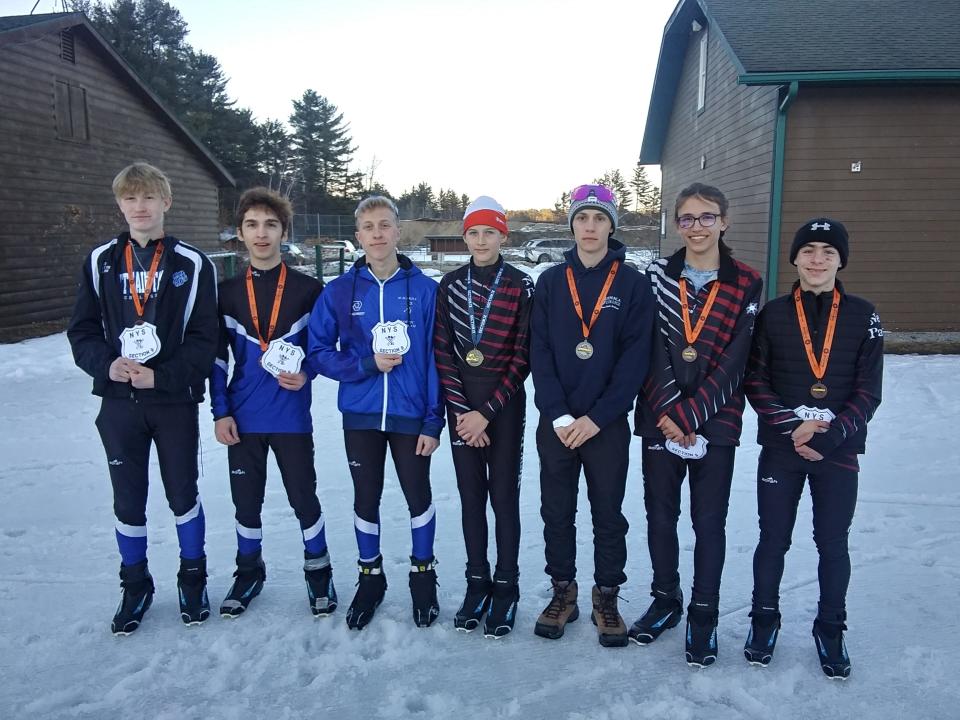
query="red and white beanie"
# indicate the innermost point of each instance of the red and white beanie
(485, 211)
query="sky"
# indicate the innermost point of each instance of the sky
(518, 99)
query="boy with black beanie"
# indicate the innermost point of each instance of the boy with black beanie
(814, 378)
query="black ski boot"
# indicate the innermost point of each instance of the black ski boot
(701, 645)
(475, 603)
(423, 591)
(371, 587)
(247, 584)
(664, 613)
(503, 607)
(764, 629)
(136, 596)
(192, 588)
(320, 590)
(832, 650)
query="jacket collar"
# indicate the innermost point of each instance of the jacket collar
(727, 273)
(616, 250)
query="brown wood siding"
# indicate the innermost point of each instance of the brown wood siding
(898, 209)
(55, 194)
(735, 133)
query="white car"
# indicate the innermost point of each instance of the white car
(333, 248)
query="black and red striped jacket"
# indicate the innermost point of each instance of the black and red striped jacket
(704, 396)
(505, 343)
(779, 375)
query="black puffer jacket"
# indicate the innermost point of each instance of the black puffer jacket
(779, 376)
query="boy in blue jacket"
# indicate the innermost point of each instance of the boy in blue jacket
(372, 330)
(266, 405)
(589, 352)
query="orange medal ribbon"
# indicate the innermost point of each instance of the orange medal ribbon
(138, 304)
(274, 313)
(603, 296)
(692, 334)
(819, 368)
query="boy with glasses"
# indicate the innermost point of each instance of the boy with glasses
(815, 380)
(590, 349)
(144, 327)
(690, 413)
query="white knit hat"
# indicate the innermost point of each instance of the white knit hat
(485, 211)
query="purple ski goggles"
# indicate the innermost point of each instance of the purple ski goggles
(601, 193)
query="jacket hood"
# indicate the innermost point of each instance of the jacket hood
(616, 250)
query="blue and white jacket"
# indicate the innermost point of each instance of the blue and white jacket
(405, 400)
(253, 397)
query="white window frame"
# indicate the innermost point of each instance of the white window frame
(702, 75)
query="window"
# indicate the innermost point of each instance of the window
(702, 81)
(71, 112)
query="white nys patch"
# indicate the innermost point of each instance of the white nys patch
(656, 446)
(769, 480)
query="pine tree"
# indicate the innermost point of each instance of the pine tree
(321, 144)
(642, 189)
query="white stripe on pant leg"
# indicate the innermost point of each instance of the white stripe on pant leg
(311, 532)
(131, 530)
(421, 520)
(363, 526)
(189, 514)
(249, 533)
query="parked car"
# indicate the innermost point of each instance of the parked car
(332, 248)
(545, 250)
(292, 254)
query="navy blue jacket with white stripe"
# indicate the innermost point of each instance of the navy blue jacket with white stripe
(183, 306)
(254, 398)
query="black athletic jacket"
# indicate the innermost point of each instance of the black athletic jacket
(779, 377)
(184, 301)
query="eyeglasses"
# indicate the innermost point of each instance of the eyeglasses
(601, 193)
(685, 222)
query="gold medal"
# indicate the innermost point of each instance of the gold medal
(474, 358)
(584, 350)
(818, 390)
(689, 354)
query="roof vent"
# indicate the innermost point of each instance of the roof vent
(68, 51)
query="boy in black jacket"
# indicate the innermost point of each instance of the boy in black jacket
(589, 352)
(145, 328)
(815, 379)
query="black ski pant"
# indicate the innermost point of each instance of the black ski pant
(833, 489)
(248, 475)
(127, 429)
(710, 480)
(492, 471)
(604, 459)
(367, 455)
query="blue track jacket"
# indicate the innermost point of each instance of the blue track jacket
(405, 400)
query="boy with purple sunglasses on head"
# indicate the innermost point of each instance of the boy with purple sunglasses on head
(590, 349)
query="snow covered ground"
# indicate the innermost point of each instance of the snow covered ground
(59, 586)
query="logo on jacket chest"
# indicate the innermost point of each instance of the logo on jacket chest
(356, 308)
(611, 302)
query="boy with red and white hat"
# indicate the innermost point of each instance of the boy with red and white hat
(481, 344)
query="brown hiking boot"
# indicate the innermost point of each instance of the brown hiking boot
(561, 610)
(606, 616)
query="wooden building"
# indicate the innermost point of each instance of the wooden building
(73, 114)
(800, 109)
